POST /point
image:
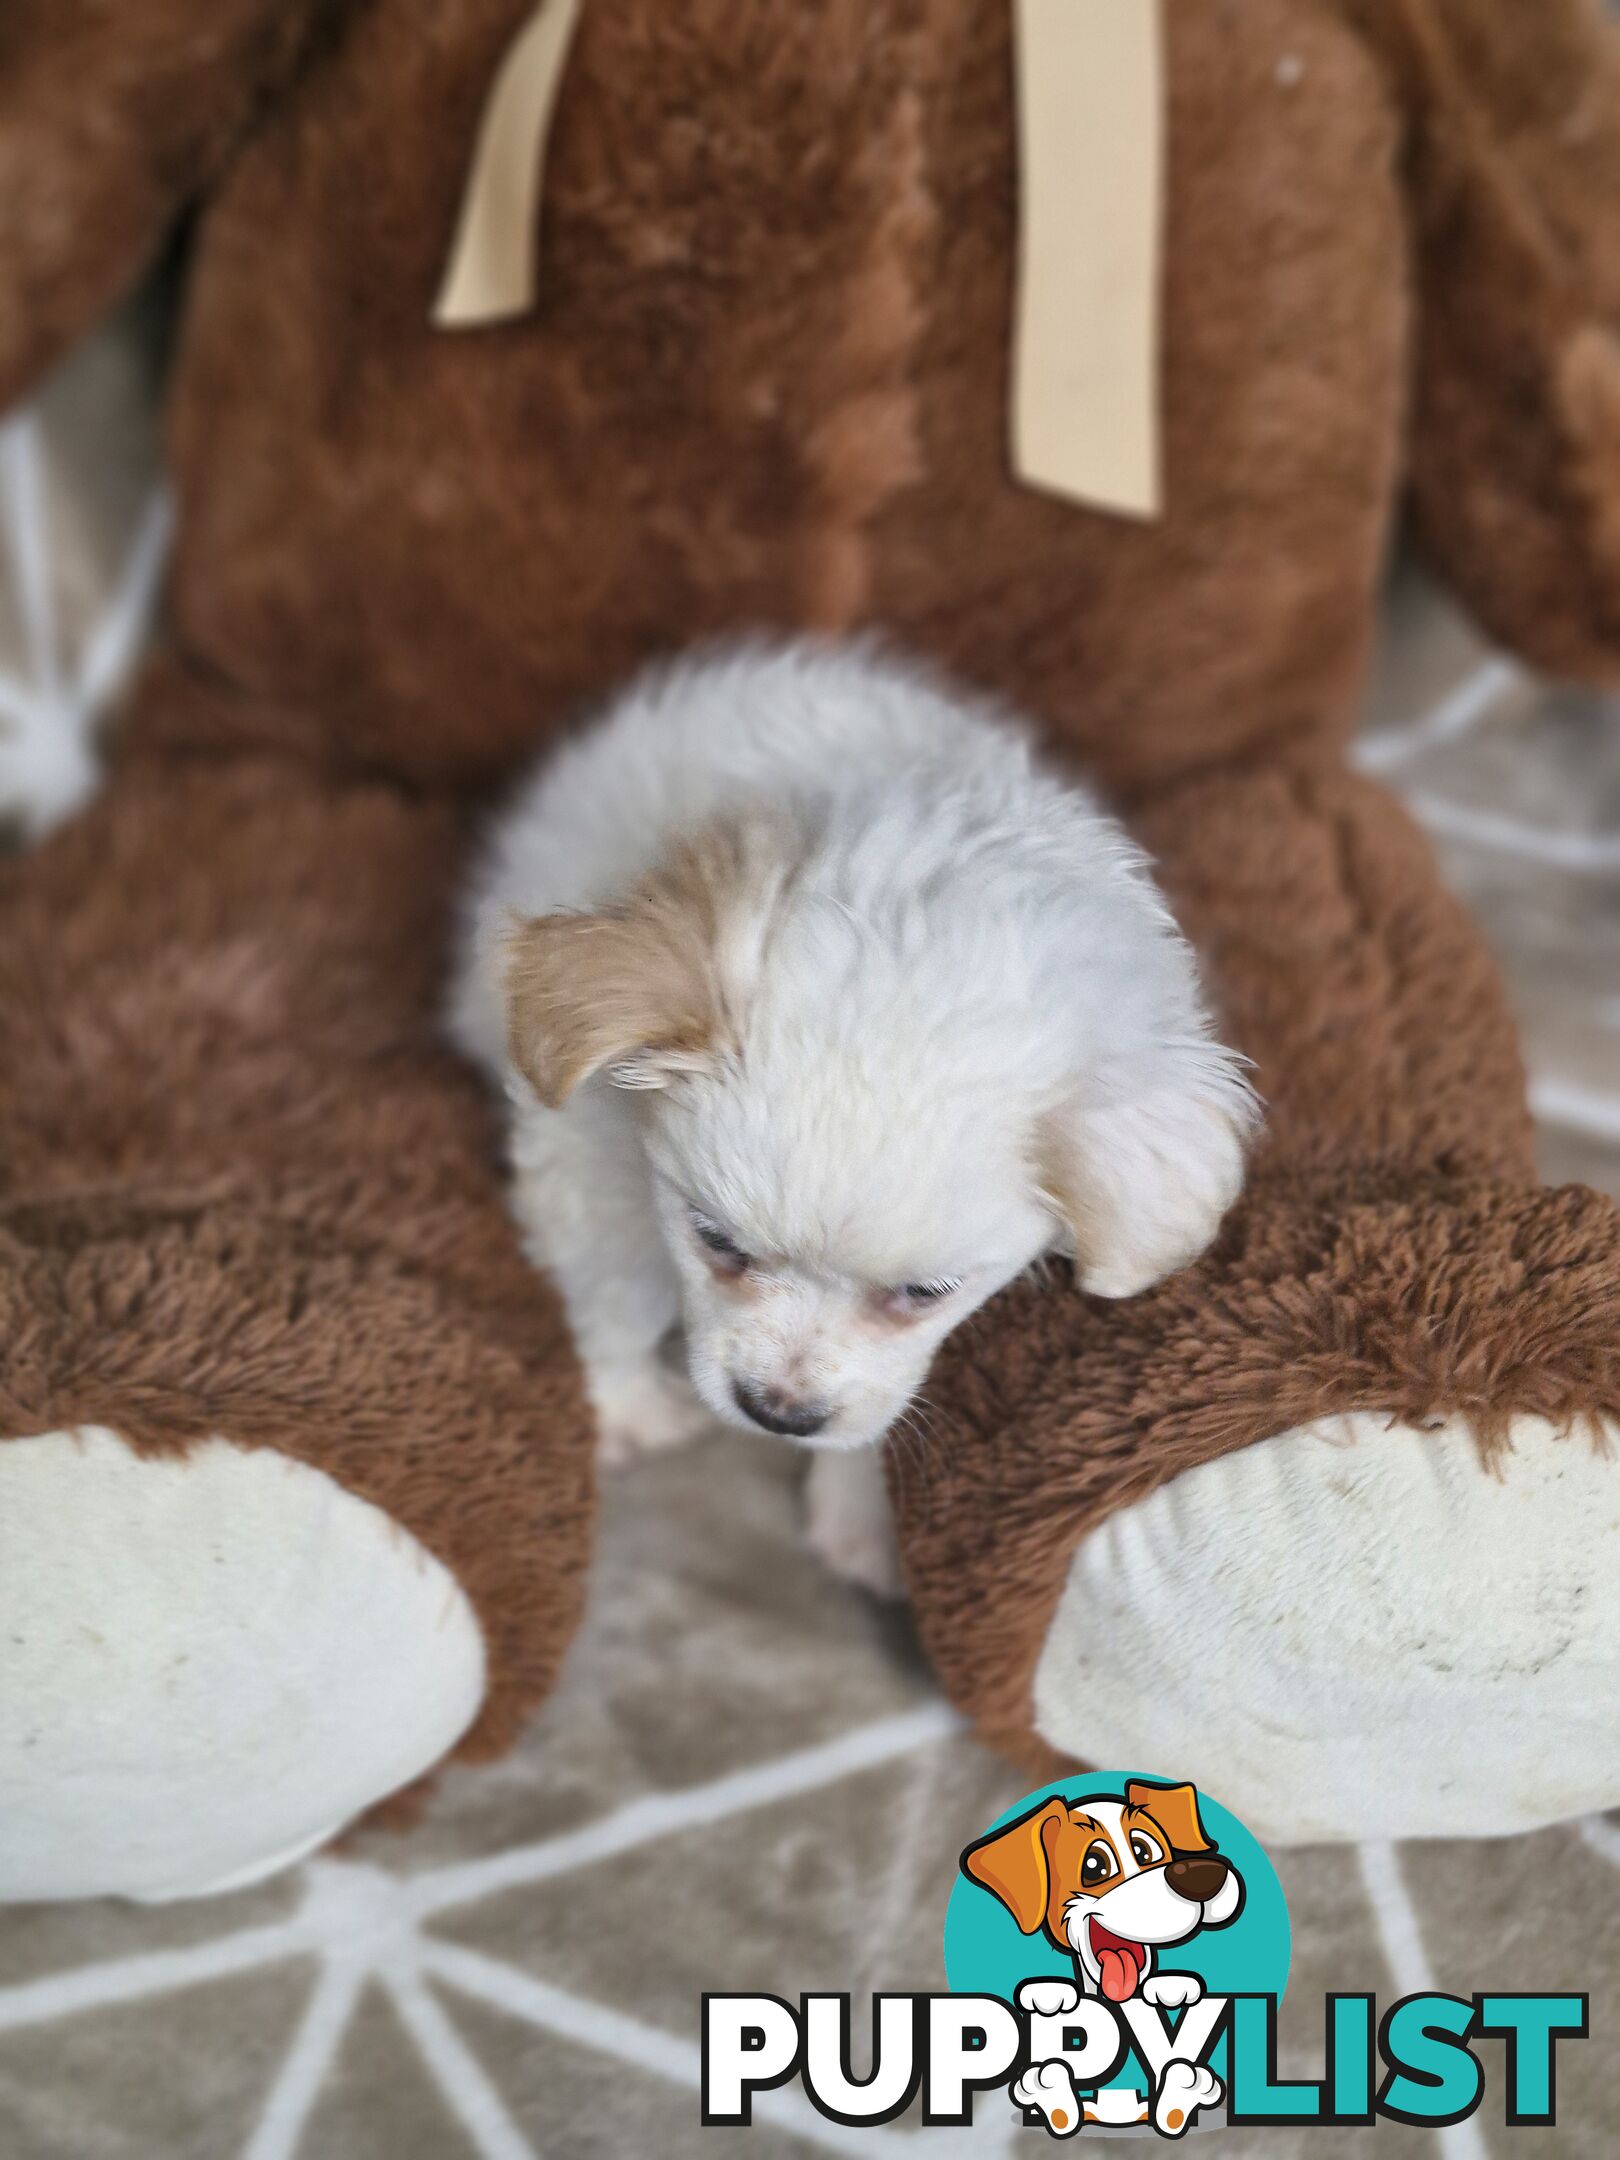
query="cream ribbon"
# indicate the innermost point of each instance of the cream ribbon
(490, 275)
(1084, 419)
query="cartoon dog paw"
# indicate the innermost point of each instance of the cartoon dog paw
(1049, 2087)
(1184, 2088)
(1048, 1998)
(1172, 1990)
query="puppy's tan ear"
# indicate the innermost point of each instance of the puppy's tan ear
(585, 991)
(1175, 1809)
(652, 986)
(1140, 1184)
(1015, 1864)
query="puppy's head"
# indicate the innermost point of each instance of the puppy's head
(1112, 1880)
(865, 1107)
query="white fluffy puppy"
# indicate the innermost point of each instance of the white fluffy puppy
(824, 1011)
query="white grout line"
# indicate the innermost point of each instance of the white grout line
(17, 706)
(113, 645)
(320, 2034)
(1461, 709)
(49, 766)
(1603, 1837)
(22, 512)
(457, 2072)
(1408, 1961)
(678, 2062)
(90, 1987)
(538, 2002)
(661, 1814)
(1585, 854)
(1573, 1108)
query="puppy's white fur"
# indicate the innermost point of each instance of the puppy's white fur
(801, 948)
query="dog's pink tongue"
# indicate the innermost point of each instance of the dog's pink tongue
(1118, 1973)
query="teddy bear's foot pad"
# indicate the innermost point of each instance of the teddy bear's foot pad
(1355, 1631)
(209, 1663)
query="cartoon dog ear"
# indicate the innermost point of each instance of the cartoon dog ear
(1175, 1809)
(1015, 1864)
(1141, 1183)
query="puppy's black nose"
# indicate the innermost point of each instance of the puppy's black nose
(1197, 1878)
(778, 1412)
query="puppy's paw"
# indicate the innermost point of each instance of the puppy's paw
(1048, 1998)
(1049, 2087)
(849, 1523)
(1172, 1990)
(1184, 2088)
(641, 1410)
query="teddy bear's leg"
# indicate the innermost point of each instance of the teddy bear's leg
(1515, 170)
(214, 1661)
(296, 1490)
(1327, 1522)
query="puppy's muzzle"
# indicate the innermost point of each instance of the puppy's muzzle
(777, 1412)
(1197, 1878)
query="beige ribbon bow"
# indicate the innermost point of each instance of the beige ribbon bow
(1084, 418)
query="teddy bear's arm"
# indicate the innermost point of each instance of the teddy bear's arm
(112, 116)
(1514, 119)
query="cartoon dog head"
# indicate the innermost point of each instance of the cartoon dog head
(1111, 1879)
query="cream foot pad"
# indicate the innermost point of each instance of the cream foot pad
(208, 1664)
(1353, 1631)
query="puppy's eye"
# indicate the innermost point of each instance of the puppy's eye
(1098, 1864)
(720, 1242)
(927, 1293)
(1144, 1849)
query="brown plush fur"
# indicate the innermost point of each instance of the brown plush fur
(766, 385)
(246, 1192)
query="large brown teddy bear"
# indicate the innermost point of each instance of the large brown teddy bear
(297, 1491)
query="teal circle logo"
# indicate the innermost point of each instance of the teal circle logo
(988, 1953)
(1111, 1881)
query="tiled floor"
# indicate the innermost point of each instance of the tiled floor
(746, 1776)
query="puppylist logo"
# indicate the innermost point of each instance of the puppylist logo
(1116, 1948)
